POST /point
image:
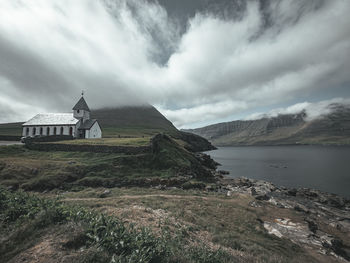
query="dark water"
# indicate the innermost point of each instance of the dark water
(325, 168)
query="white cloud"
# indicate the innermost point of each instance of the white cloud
(313, 110)
(114, 49)
(203, 112)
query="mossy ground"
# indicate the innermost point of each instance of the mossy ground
(183, 225)
(40, 171)
(170, 226)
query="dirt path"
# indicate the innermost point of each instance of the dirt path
(149, 195)
(5, 143)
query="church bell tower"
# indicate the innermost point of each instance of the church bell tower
(81, 110)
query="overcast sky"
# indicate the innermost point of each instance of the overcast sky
(198, 61)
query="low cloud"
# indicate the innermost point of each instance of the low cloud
(313, 110)
(230, 57)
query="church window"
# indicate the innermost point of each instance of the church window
(55, 131)
(78, 111)
(48, 131)
(27, 131)
(71, 131)
(61, 131)
(34, 131)
(41, 130)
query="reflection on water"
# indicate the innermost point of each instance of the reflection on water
(325, 168)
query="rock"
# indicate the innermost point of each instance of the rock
(339, 249)
(301, 208)
(207, 161)
(336, 201)
(222, 172)
(254, 204)
(210, 188)
(312, 225)
(336, 245)
(292, 192)
(319, 208)
(229, 193)
(262, 197)
(253, 191)
(260, 220)
(271, 230)
(105, 194)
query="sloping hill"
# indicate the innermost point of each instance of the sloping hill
(132, 121)
(333, 128)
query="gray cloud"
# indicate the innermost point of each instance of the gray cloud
(198, 62)
(313, 110)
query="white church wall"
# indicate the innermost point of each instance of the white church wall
(48, 130)
(95, 131)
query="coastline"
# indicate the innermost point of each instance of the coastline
(325, 214)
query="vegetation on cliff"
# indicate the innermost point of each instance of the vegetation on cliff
(166, 163)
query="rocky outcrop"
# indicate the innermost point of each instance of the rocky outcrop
(318, 209)
(195, 143)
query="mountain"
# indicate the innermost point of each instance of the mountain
(132, 120)
(332, 128)
(144, 121)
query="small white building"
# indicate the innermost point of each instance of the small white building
(77, 124)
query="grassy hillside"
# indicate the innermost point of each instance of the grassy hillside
(132, 121)
(137, 141)
(12, 129)
(142, 225)
(51, 231)
(168, 163)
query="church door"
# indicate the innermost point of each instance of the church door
(82, 134)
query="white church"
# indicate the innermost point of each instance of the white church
(77, 124)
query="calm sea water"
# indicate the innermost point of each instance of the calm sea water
(325, 168)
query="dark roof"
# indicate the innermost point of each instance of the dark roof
(87, 124)
(81, 105)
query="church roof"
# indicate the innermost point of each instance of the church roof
(81, 105)
(87, 124)
(52, 119)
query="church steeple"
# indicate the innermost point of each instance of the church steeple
(81, 109)
(81, 104)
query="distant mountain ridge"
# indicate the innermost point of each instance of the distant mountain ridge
(333, 128)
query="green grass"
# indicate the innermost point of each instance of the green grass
(97, 237)
(132, 131)
(13, 129)
(140, 141)
(40, 171)
(203, 217)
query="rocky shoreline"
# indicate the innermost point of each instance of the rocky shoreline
(324, 214)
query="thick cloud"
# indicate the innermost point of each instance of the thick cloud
(313, 110)
(218, 60)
